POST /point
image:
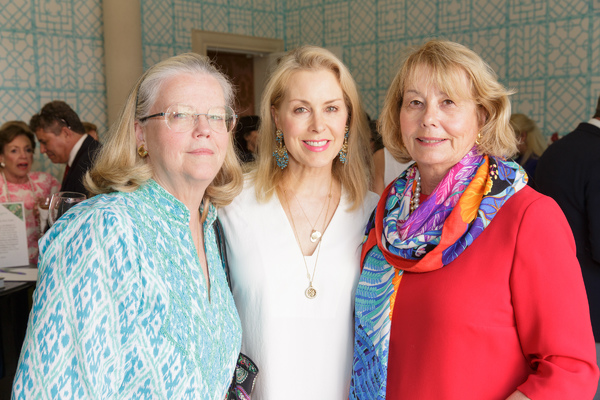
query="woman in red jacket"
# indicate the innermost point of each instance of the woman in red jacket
(470, 286)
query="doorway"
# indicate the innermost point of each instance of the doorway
(247, 60)
(240, 69)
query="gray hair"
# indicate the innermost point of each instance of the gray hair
(189, 63)
(118, 166)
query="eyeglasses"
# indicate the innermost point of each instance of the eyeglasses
(181, 118)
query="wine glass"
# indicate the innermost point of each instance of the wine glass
(43, 204)
(61, 202)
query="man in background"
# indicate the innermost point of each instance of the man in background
(569, 172)
(63, 139)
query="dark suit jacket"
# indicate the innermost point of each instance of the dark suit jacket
(569, 172)
(84, 158)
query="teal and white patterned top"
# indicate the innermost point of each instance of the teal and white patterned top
(121, 308)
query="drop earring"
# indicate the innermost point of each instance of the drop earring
(344, 150)
(142, 152)
(280, 153)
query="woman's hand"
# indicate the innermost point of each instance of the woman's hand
(517, 396)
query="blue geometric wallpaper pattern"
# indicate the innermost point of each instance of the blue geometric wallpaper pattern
(167, 24)
(548, 51)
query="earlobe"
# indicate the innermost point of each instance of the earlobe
(482, 116)
(66, 131)
(139, 134)
(275, 117)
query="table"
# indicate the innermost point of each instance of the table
(15, 304)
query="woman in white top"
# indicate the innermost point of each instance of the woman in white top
(294, 234)
(387, 169)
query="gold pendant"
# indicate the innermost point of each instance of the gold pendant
(310, 292)
(315, 235)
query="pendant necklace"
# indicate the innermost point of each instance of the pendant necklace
(315, 234)
(311, 291)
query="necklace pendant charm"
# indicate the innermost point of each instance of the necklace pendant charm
(310, 292)
(315, 235)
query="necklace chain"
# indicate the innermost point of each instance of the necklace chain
(310, 291)
(315, 234)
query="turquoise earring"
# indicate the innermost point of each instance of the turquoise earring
(344, 150)
(280, 153)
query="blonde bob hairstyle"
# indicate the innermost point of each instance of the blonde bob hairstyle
(446, 64)
(535, 142)
(118, 166)
(355, 174)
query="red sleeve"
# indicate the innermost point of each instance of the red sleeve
(551, 308)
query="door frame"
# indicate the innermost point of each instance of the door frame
(258, 47)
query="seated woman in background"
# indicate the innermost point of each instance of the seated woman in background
(294, 233)
(470, 287)
(246, 137)
(132, 300)
(531, 144)
(18, 183)
(91, 129)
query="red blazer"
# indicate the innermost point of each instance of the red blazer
(509, 313)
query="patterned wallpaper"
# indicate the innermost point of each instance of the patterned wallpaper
(51, 49)
(167, 24)
(547, 50)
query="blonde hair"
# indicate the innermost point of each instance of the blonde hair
(118, 167)
(355, 174)
(446, 64)
(535, 142)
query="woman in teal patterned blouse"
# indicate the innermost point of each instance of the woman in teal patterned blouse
(132, 300)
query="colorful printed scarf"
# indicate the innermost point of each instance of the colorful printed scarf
(435, 234)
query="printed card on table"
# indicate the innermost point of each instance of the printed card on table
(13, 235)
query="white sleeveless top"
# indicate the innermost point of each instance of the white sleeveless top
(303, 347)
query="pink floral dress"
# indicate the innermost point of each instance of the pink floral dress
(43, 184)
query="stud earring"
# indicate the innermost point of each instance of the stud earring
(142, 152)
(344, 150)
(478, 140)
(280, 153)
(2, 165)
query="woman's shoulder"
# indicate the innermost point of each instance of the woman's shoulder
(371, 200)
(532, 205)
(108, 215)
(108, 201)
(111, 208)
(368, 204)
(97, 237)
(527, 196)
(357, 215)
(41, 176)
(247, 197)
(246, 208)
(45, 180)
